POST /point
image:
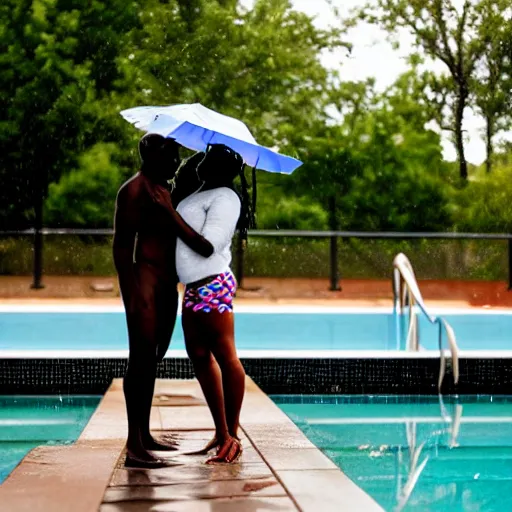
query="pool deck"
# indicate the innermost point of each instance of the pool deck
(257, 291)
(281, 470)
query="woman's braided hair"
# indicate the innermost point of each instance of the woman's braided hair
(229, 164)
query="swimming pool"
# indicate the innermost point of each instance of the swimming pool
(27, 422)
(275, 330)
(416, 451)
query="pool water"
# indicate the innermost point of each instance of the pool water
(279, 330)
(27, 422)
(415, 453)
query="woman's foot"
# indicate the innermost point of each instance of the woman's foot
(214, 443)
(228, 452)
(165, 443)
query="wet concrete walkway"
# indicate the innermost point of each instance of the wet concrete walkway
(281, 470)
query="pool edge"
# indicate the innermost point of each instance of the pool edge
(52, 478)
(312, 480)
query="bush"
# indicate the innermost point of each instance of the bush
(85, 197)
(484, 205)
(295, 213)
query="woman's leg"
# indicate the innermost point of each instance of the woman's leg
(206, 369)
(222, 344)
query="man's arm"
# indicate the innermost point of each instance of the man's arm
(192, 238)
(126, 226)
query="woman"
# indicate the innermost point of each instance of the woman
(215, 210)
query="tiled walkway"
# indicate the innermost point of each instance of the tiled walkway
(280, 469)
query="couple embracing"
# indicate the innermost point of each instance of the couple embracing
(156, 245)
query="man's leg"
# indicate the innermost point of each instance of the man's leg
(138, 383)
(166, 308)
(140, 376)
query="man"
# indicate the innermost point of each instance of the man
(146, 227)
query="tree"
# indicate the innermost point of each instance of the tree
(261, 65)
(492, 83)
(380, 162)
(57, 66)
(444, 33)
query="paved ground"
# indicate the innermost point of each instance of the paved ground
(362, 292)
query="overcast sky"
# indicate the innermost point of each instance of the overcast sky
(373, 56)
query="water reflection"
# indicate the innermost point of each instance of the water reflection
(419, 451)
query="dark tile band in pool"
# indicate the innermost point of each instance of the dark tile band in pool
(276, 376)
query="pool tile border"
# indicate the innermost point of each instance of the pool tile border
(372, 376)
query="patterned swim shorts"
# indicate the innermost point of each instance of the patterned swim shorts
(217, 295)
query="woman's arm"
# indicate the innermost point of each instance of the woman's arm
(192, 238)
(221, 219)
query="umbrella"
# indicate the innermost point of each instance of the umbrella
(195, 126)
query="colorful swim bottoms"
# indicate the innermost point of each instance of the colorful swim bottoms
(216, 295)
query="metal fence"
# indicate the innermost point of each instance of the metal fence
(333, 236)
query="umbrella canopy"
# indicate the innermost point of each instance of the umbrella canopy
(195, 126)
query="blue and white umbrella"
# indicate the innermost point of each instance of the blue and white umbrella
(195, 126)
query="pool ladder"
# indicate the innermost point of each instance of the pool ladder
(415, 450)
(406, 292)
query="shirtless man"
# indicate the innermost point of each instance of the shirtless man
(146, 228)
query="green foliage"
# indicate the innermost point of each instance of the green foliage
(260, 65)
(58, 64)
(67, 67)
(297, 213)
(485, 206)
(85, 196)
(385, 169)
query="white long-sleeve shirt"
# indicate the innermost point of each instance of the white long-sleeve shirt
(214, 214)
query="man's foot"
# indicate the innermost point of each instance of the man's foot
(164, 443)
(228, 453)
(146, 461)
(210, 446)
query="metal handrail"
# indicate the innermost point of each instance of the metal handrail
(406, 290)
(334, 236)
(277, 233)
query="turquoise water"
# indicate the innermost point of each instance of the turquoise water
(415, 451)
(257, 331)
(28, 422)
